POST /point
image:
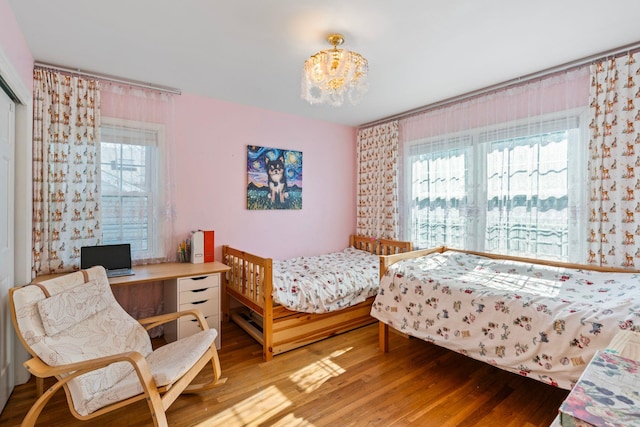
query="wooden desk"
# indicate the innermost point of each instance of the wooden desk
(157, 272)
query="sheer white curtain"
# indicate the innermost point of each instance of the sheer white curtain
(137, 145)
(136, 148)
(502, 172)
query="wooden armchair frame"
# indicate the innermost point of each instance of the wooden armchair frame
(158, 398)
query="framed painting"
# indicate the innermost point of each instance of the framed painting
(274, 178)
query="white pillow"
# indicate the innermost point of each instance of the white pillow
(65, 309)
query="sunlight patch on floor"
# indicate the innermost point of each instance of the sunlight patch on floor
(252, 411)
(312, 376)
(291, 420)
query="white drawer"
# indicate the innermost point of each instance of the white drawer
(188, 326)
(198, 282)
(206, 307)
(199, 295)
(189, 323)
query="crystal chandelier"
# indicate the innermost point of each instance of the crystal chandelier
(333, 74)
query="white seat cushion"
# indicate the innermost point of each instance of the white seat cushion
(109, 331)
(80, 332)
(167, 364)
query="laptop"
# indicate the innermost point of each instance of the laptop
(116, 259)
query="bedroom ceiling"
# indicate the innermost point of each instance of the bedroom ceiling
(252, 51)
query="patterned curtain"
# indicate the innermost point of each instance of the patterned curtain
(377, 198)
(66, 191)
(614, 163)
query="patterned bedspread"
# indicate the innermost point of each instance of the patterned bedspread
(538, 321)
(328, 282)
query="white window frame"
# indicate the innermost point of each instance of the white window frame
(476, 174)
(154, 177)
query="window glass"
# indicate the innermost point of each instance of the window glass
(129, 187)
(440, 183)
(505, 191)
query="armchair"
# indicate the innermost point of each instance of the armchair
(77, 332)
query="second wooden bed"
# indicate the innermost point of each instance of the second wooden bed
(247, 300)
(536, 318)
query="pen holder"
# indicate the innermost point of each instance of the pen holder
(181, 256)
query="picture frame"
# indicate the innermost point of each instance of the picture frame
(274, 178)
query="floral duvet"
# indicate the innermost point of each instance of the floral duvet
(538, 321)
(328, 282)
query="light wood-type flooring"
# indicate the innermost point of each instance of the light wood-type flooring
(341, 381)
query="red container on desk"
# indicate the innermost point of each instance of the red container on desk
(208, 245)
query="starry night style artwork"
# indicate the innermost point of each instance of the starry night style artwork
(274, 178)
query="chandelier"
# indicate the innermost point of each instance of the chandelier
(332, 75)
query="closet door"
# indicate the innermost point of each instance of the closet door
(7, 164)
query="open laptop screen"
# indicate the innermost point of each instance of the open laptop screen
(111, 257)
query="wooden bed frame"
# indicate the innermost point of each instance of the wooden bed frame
(250, 283)
(387, 261)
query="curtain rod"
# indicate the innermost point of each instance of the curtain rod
(109, 78)
(528, 77)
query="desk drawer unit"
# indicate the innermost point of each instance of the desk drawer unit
(187, 293)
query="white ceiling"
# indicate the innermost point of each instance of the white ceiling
(252, 51)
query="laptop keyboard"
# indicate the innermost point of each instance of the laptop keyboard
(120, 272)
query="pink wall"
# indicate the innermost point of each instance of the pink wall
(211, 177)
(14, 45)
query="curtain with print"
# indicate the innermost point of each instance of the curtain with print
(614, 163)
(377, 186)
(66, 190)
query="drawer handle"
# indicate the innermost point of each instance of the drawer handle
(198, 278)
(195, 320)
(199, 302)
(198, 290)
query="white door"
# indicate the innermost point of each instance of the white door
(7, 163)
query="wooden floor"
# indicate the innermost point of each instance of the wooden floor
(341, 381)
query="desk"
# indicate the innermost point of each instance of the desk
(157, 272)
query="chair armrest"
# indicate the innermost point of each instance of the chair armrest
(73, 370)
(152, 322)
(40, 369)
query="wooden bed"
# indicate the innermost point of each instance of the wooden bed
(537, 318)
(247, 300)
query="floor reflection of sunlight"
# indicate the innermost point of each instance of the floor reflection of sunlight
(271, 404)
(252, 411)
(312, 376)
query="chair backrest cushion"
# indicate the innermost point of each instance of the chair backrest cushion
(61, 311)
(82, 333)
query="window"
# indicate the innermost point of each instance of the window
(508, 189)
(439, 190)
(130, 178)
